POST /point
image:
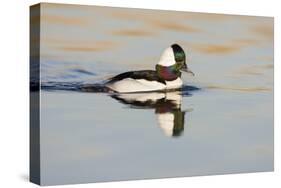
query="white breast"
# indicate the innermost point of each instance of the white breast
(131, 85)
(174, 84)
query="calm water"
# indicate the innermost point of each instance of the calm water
(226, 126)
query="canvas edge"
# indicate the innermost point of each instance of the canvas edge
(34, 94)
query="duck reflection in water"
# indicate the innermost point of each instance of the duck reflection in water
(167, 107)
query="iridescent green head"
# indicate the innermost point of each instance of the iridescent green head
(172, 63)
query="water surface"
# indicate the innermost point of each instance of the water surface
(226, 126)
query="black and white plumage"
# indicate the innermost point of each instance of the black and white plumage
(166, 105)
(148, 75)
(166, 76)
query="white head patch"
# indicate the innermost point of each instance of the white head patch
(167, 58)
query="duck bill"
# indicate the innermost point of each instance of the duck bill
(187, 70)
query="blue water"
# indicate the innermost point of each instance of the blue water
(220, 122)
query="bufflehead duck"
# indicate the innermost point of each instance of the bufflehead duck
(166, 105)
(167, 75)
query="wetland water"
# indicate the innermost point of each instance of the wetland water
(226, 126)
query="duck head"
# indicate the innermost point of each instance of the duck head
(172, 62)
